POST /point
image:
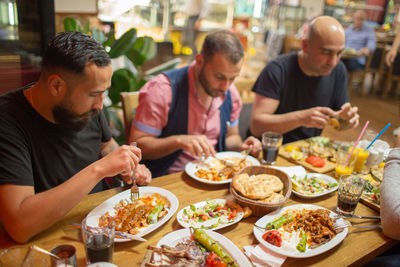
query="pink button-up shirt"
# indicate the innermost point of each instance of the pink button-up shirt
(154, 103)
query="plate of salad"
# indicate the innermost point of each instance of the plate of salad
(313, 185)
(210, 214)
(300, 231)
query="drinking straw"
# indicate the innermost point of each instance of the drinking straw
(356, 143)
(379, 134)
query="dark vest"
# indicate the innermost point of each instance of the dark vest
(178, 119)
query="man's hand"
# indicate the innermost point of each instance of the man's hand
(196, 145)
(364, 51)
(123, 161)
(143, 175)
(255, 143)
(390, 56)
(349, 113)
(316, 117)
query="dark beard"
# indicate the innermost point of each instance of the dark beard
(206, 85)
(70, 120)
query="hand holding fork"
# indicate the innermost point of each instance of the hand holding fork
(134, 188)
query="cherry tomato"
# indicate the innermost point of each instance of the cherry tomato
(232, 214)
(213, 260)
(273, 237)
(316, 161)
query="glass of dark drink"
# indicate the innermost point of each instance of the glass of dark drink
(271, 142)
(98, 239)
(349, 193)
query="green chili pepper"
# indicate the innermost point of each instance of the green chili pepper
(153, 217)
(287, 218)
(209, 243)
(303, 242)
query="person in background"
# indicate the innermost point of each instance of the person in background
(195, 10)
(361, 38)
(297, 94)
(186, 113)
(55, 142)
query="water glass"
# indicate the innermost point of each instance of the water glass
(349, 193)
(98, 240)
(271, 141)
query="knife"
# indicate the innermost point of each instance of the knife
(362, 217)
(118, 234)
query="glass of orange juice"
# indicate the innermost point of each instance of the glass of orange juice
(342, 166)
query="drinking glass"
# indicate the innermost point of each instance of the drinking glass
(98, 240)
(22, 256)
(342, 166)
(271, 142)
(349, 193)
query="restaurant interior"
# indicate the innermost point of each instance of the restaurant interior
(267, 29)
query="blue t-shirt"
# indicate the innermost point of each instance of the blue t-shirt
(283, 80)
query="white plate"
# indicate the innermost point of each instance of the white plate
(193, 166)
(110, 203)
(309, 252)
(173, 238)
(328, 179)
(207, 224)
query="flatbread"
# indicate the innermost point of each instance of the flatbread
(259, 186)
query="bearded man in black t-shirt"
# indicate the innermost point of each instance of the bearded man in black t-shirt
(55, 143)
(297, 94)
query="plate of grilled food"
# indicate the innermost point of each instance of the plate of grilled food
(221, 168)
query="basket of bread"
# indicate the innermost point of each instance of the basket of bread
(261, 188)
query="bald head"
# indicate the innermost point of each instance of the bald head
(325, 27)
(322, 46)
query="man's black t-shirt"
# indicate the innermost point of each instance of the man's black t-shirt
(36, 152)
(283, 80)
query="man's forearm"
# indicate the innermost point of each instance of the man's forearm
(155, 148)
(233, 142)
(37, 212)
(281, 123)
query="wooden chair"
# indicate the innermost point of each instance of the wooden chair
(291, 44)
(374, 65)
(130, 101)
(244, 86)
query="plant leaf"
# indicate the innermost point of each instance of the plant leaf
(122, 80)
(86, 28)
(123, 44)
(70, 24)
(98, 35)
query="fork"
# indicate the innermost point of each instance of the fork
(134, 188)
(343, 224)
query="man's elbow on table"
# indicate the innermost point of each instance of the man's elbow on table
(20, 232)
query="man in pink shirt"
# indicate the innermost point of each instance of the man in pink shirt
(186, 113)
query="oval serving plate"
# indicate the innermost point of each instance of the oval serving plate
(293, 253)
(110, 203)
(173, 238)
(193, 166)
(328, 179)
(211, 223)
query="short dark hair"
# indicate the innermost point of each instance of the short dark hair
(71, 51)
(223, 42)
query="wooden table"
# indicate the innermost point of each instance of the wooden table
(357, 248)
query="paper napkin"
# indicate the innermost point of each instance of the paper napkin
(261, 256)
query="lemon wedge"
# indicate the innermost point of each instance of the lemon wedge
(382, 164)
(290, 148)
(296, 155)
